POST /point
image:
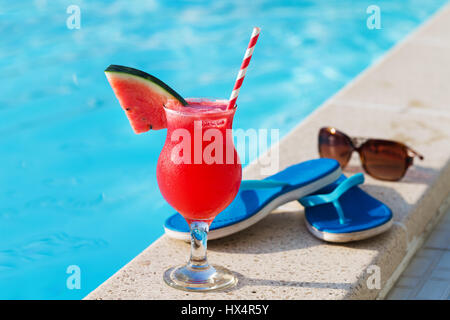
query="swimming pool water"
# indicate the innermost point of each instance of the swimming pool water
(77, 186)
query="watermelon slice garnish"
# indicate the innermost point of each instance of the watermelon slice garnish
(142, 97)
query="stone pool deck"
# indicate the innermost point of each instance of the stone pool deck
(406, 97)
(428, 274)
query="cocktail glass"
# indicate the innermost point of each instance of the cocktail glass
(199, 175)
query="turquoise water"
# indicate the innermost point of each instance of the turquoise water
(77, 186)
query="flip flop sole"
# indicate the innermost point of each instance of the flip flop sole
(350, 236)
(342, 212)
(269, 207)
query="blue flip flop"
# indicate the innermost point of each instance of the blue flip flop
(342, 212)
(257, 198)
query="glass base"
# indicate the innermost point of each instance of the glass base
(199, 279)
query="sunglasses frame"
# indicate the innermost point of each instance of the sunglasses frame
(358, 143)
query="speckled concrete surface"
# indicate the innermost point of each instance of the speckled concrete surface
(404, 97)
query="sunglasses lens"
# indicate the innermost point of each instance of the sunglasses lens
(386, 160)
(335, 145)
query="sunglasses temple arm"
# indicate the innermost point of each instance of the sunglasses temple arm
(415, 153)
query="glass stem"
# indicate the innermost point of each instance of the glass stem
(199, 233)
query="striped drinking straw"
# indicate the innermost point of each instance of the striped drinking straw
(244, 66)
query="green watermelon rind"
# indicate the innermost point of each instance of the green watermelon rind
(154, 82)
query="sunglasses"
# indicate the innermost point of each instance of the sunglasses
(382, 159)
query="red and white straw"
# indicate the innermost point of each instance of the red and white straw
(244, 66)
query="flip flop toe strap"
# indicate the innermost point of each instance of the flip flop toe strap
(333, 197)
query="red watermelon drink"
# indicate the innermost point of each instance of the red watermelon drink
(199, 174)
(199, 182)
(198, 170)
